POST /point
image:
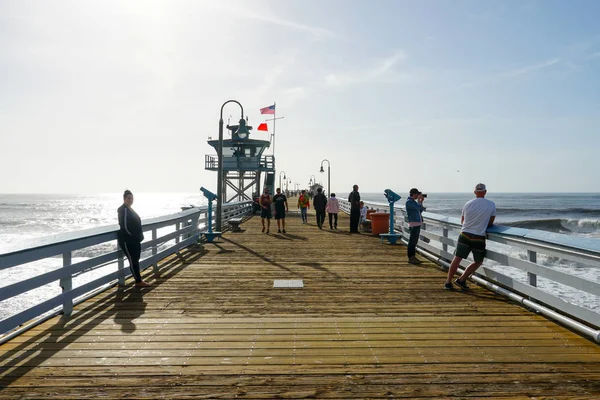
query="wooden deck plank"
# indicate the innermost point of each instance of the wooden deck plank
(366, 325)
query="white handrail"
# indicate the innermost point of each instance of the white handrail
(585, 251)
(187, 227)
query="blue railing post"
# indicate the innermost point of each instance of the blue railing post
(209, 217)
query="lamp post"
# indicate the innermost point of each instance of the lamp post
(282, 172)
(241, 132)
(328, 174)
(312, 180)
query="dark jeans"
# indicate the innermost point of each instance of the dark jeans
(414, 238)
(333, 216)
(320, 217)
(354, 217)
(133, 251)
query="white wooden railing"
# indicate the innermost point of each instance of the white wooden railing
(183, 229)
(515, 259)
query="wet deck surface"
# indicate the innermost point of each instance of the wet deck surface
(365, 325)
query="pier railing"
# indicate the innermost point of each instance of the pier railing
(167, 235)
(244, 163)
(529, 266)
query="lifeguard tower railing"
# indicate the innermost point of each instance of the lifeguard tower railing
(164, 236)
(525, 265)
(262, 163)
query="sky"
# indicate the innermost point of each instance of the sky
(99, 96)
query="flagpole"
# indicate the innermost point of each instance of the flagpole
(274, 118)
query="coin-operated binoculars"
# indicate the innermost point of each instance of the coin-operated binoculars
(209, 235)
(391, 197)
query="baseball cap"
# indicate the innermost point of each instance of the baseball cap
(480, 187)
(414, 191)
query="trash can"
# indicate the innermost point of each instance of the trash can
(380, 223)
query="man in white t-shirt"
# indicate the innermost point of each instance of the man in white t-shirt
(477, 215)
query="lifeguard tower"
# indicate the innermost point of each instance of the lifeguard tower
(244, 166)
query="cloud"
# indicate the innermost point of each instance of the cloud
(531, 68)
(508, 74)
(295, 93)
(382, 71)
(321, 33)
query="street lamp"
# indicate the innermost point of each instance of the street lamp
(312, 180)
(328, 174)
(282, 172)
(242, 132)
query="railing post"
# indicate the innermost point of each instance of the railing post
(121, 270)
(155, 250)
(531, 277)
(445, 234)
(403, 224)
(66, 283)
(194, 223)
(177, 227)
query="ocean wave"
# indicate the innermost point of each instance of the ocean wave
(576, 210)
(559, 225)
(95, 251)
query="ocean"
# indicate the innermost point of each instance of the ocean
(567, 213)
(26, 218)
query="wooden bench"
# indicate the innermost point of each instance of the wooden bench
(235, 224)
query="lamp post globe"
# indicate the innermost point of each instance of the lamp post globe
(284, 177)
(242, 131)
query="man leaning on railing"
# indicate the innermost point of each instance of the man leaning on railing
(477, 215)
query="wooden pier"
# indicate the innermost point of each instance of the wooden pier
(366, 325)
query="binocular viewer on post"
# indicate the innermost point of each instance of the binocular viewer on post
(208, 194)
(391, 196)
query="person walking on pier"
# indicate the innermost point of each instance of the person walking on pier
(130, 237)
(354, 200)
(281, 208)
(265, 212)
(477, 215)
(333, 208)
(303, 205)
(319, 204)
(414, 208)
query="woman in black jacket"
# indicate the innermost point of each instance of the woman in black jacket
(131, 236)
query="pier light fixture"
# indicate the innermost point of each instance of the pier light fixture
(328, 175)
(284, 178)
(242, 133)
(312, 180)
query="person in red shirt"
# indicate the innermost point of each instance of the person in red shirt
(265, 209)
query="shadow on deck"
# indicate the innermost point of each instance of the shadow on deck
(365, 325)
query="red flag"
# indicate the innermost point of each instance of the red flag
(263, 127)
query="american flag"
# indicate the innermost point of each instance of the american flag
(268, 110)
